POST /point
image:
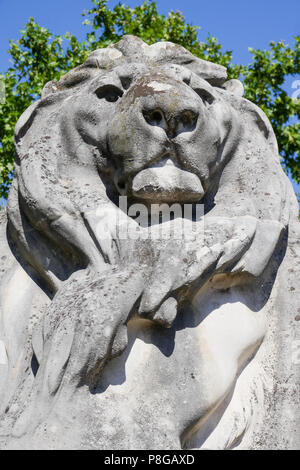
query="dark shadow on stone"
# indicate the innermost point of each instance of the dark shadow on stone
(34, 365)
(114, 373)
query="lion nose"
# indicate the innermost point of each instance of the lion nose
(172, 123)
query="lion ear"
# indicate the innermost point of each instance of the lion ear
(234, 86)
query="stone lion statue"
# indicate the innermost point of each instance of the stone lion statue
(110, 342)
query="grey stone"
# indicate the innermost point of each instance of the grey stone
(150, 341)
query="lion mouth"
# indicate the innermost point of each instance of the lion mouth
(166, 182)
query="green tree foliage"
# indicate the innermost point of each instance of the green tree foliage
(38, 57)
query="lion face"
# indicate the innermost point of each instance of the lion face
(153, 123)
(160, 131)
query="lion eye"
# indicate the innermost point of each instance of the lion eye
(109, 92)
(206, 97)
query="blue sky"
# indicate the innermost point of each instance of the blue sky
(237, 24)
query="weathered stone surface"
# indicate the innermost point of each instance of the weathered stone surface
(148, 342)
